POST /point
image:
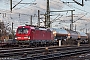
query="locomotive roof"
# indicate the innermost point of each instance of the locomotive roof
(26, 27)
(34, 27)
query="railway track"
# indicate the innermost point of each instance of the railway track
(42, 53)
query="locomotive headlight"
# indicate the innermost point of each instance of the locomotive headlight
(15, 37)
(25, 37)
(28, 37)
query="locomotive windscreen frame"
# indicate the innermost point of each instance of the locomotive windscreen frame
(22, 30)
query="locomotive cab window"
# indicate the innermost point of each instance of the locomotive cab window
(22, 30)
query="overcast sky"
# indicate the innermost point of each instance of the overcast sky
(22, 12)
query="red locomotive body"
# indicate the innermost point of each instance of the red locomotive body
(33, 34)
(39, 34)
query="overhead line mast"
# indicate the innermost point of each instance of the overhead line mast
(81, 4)
(48, 23)
(71, 25)
(11, 7)
(48, 15)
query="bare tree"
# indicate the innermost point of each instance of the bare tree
(4, 29)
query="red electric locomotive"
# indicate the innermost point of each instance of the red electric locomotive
(33, 35)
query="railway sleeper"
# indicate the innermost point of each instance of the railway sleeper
(23, 59)
(4, 54)
(67, 54)
(43, 57)
(73, 53)
(57, 55)
(79, 52)
(29, 58)
(36, 57)
(85, 51)
(50, 56)
(29, 52)
(11, 54)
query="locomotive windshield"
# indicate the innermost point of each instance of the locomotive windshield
(22, 30)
